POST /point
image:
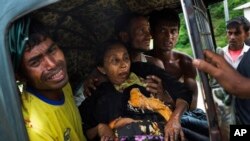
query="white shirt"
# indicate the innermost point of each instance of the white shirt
(229, 59)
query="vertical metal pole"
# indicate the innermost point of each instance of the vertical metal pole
(196, 43)
(226, 10)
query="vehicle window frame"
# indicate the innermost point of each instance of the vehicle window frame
(12, 127)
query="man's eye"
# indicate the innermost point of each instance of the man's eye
(34, 63)
(52, 49)
(140, 31)
(163, 30)
(174, 31)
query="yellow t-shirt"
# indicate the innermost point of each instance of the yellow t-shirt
(48, 122)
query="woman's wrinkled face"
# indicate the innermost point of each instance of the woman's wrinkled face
(116, 64)
(44, 66)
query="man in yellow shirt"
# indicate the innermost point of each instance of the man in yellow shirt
(49, 111)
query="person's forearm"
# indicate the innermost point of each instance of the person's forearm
(191, 83)
(92, 132)
(181, 107)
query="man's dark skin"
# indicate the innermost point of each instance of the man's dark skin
(165, 26)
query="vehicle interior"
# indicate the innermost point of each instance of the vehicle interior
(79, 26)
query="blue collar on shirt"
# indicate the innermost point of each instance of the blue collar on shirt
(43, 98)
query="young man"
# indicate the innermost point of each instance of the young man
(237, 33)
(47, 102)
(165, 25)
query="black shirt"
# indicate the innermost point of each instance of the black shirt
(242, 106)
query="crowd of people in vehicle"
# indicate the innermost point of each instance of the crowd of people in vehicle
(134, 92)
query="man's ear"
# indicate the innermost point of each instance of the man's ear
(101, 70)
(124, 37)
(247, 34)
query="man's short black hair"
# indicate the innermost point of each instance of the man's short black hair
(166, 14)
(123, 22)
(37, 33)
(237, 22)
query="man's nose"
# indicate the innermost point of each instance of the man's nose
(49, 62)
(168, 35)
(148, 35)
(232, 36)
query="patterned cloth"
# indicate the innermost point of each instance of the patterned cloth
(133, 79)
(142, 138)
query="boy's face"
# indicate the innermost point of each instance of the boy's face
(44, 66)
(165, 35)
(116, 64)
(139, 33)
(236, 37)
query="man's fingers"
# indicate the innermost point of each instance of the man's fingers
(212, 57)
(86, 92)
(92, 86)
(172, 138)
(152, 88)
(89, 84)
(206, 67)
(176, 134)
(107, 138)
(182, 136)
(152, 85)
(154, 78)
(166, 137)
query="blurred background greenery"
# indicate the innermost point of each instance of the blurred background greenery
(218, 21)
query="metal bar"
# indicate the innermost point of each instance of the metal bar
(197, 47)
